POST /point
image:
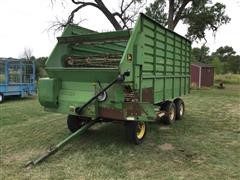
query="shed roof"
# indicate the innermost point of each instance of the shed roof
(201, 64)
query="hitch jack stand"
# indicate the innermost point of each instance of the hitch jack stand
(54, 149)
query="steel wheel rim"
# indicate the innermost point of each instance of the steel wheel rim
(171, 114)
(181, 110)
(102, 97)
(141, 128)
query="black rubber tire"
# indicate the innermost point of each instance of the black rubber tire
(2, 98)
(180, 108)
(74, 123)
(170, 116)
(132, 129)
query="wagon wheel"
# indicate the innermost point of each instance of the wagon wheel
(170, 112)
(180, 108)
(136, 131)
(1, 97)
(75, 122)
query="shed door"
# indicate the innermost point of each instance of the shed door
(207, 76)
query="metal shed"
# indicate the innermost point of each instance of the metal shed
(202, 75)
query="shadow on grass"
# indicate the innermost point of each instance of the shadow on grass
(11, 99)
(108, 137)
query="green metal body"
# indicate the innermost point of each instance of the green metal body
(83, 62)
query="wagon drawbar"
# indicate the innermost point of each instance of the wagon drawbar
(131, 76)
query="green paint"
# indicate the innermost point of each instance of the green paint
(155, 56)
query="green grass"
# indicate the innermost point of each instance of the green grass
(227, 78)
(205, 144)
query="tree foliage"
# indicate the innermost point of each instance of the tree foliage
(218, 65)
(156, 10)
(224, 59)
(228, 58)
(233, 64)
(200, 54)
(40, 67)
(224, 52)
(199, 15)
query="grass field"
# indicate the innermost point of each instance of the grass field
(227, 78)
(204, 145)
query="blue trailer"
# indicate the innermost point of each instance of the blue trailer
(17, 77)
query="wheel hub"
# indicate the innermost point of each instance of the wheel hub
(102, 97)
(171, 114)
(181, 110)
(141, 130)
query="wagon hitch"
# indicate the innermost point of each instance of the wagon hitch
(119, 79)
(54, 149)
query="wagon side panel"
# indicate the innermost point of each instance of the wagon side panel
(166, 63)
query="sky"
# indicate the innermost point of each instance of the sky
(25, 23)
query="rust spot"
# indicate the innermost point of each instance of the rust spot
(147, 95)
(133, 109)
(111, 113)
(130, 95)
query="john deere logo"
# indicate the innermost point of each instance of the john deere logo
(129, 57)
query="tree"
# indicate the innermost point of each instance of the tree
(27, 54)
(200, 54)
(121, 19)
(40, 67)
(229, 61)
(156, 10)
(224, 52)
(233, 64)
(218, 65)
(200, 15)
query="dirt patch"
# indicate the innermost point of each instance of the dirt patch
(19, 157)
(166, 147)
(235, 111)
(233, 143)
(164, 128)
(198, 159)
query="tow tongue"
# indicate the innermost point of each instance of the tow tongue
(54, 149)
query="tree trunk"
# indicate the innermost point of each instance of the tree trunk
(170, 15)
(109, 15)
(178, 14)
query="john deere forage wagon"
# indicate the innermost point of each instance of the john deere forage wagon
(128, 76)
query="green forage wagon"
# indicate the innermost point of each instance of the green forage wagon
(131, 76)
